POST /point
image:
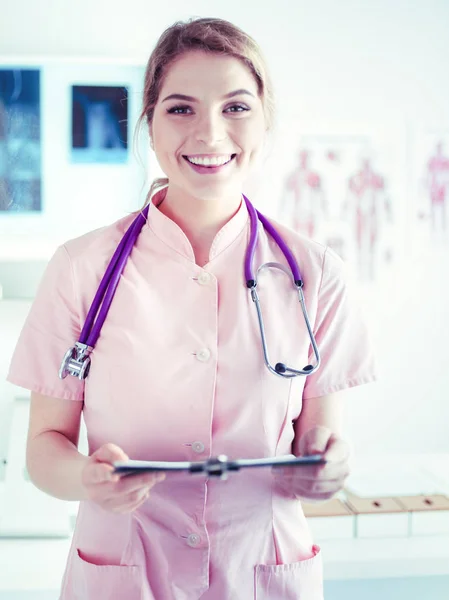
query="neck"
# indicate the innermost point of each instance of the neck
(199, 219)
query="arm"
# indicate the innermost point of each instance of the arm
(58, 469)
(325, 411)
(318, 431)
(347, 361)
(53, 461)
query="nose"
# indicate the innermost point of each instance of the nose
(210, 130)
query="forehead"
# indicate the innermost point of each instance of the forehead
(198, 70)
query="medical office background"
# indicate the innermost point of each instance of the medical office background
(359, 160)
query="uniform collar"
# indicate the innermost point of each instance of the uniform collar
(172, 235)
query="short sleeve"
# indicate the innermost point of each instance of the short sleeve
(51, 328)
(341, 333)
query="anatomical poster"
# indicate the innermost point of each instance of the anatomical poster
(430, 185)
(342, 190)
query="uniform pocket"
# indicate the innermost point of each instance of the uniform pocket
(294, 581)
(108, 582)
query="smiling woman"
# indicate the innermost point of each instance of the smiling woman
(208, 144)
(208, 104)
(179, 367)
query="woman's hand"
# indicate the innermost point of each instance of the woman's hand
(316, 483)
(111, 491)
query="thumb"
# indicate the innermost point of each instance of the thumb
(338, 450)
(103, 459)
(109, 453)
(314, 441)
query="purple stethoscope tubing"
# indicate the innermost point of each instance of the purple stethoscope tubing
(76, 361)
(254, 216)
(91, 332)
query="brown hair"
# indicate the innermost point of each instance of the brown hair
(209, 35)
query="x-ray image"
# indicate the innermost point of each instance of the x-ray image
(20, 141)
(99, 124)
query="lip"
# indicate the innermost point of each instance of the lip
(209, 170)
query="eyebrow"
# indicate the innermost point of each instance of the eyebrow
(192, 99)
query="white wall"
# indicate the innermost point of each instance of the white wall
(384, 63)
(338, 59)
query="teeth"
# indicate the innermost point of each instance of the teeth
(210, 161)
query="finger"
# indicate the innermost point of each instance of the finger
(302, 472)
(314, 441)
(319, 489)
(101, 473)
(136, 495)
(316, 497)
(128, 497)
(323, 487)
(130, 505)
(329, 473)
(297, 477)
(308, 493)
(129, 485)
(313, 486)
(139, 475)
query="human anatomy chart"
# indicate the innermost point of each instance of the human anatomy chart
(338, 193)
(367, 206)
(432, 185)
(304, 199)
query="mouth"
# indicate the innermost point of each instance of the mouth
(209, 169)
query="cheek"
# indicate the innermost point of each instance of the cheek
(167, 135)
(167, 144)
(251, 136)
(166, 140)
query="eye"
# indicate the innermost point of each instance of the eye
(176, 110)
(239, 107)
(181, 109)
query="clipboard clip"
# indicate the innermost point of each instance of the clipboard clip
(217, 466)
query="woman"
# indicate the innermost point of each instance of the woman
(178, 370)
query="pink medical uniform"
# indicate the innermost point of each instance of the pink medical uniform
(178, 374)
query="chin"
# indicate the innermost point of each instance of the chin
(213, 192)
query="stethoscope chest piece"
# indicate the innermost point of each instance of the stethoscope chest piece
(76, 362)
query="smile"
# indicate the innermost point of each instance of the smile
(209, 164)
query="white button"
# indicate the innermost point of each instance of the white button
(198, 447)
(204, 278)
(193, 540)
(203, 355)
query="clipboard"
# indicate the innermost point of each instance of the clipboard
(218, 466)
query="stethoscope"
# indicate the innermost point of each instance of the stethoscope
(76, 361)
